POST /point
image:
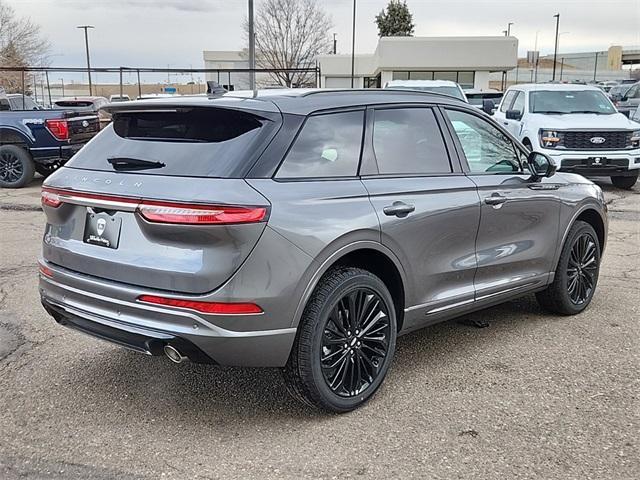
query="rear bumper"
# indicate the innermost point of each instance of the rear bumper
(100, 311)
(50, 154)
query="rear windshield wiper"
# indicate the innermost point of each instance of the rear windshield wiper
(129, 164)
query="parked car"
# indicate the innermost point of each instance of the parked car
(37, 140)
(617, 92)
(607, 85)
(307, 230)
(478, 98)
(444, 87)
(630, 100)
(86, 105)
(577, 126)
(119, 98)
(18, 101)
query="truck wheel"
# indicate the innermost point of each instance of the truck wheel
(624, 182)
(16, 167)
(345, 343)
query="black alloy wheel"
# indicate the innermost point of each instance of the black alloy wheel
(582, 269)
(11, 168)
(355, 342)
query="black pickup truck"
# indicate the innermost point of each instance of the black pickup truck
(34, 140)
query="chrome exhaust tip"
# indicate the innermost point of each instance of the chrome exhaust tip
(172, 354)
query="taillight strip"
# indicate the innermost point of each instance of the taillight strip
(158, 211)
(212, 308)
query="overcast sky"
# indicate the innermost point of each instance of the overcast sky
(160, 32)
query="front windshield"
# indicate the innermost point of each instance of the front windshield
(570, 101)
(451, 91)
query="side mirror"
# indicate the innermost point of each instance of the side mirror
(541, 165)
(488, 106)
(513, 115)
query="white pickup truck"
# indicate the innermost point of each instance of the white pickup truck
(577, 126)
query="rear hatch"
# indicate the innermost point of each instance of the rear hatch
(158, 199)
(82, 126)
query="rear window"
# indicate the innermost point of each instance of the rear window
(76, 104)
(205, 142)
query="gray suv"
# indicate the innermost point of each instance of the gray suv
(307, 230)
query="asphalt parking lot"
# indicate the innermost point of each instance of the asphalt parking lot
(531, 396)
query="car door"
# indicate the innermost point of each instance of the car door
(505, 104)
(428, 209)
(516, 241)
(514, 125)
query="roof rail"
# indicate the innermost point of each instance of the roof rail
(378, 90)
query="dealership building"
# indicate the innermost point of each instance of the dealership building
(466, 60)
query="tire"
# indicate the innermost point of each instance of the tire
(572, 271)
(47, 169)
(16, 167)
(350, 372)
(626, 183)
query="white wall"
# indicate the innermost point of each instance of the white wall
(481, 80)
(342, 82)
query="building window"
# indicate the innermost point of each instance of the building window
(373, 82)
(401, 75)
(464, 79)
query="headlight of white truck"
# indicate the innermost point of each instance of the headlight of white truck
(550, 138)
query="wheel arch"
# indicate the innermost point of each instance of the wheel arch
(368, 255)
(591, 215)
(11, 136)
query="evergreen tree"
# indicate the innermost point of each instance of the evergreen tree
(396, 20)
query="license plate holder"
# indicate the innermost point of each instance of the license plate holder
(597, 161)
(102, 230)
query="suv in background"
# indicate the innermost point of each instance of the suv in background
(444, 87)
(307, 230)
(577, 126)
(119, 98)
(630, 100)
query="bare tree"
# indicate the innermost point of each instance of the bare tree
(21, 44)
(290, 34)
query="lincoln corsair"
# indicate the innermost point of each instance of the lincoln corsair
(307, 229)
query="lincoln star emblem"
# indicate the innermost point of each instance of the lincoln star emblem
(101, 224)
(598, 140)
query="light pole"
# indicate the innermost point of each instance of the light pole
(353, 45)
(509, 29)
(335, 44)
(86, 44)
(252, 49)
(555, 50)
(62, 83)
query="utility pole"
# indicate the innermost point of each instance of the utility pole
(252, 49)
(86, 44)
(353, 45)
(595, 67)
(555, 50)
(335, 44)
(62, 84)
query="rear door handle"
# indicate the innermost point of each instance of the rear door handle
(398, 209)
(495, 199)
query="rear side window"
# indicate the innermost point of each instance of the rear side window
(328, 146)
(408, 141)
(198, 142)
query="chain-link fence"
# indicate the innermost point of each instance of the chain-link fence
(48, 84)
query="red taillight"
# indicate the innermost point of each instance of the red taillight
(50, 198)
(204, 307)
(162, 212)
(46, 271)
(58, 128)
